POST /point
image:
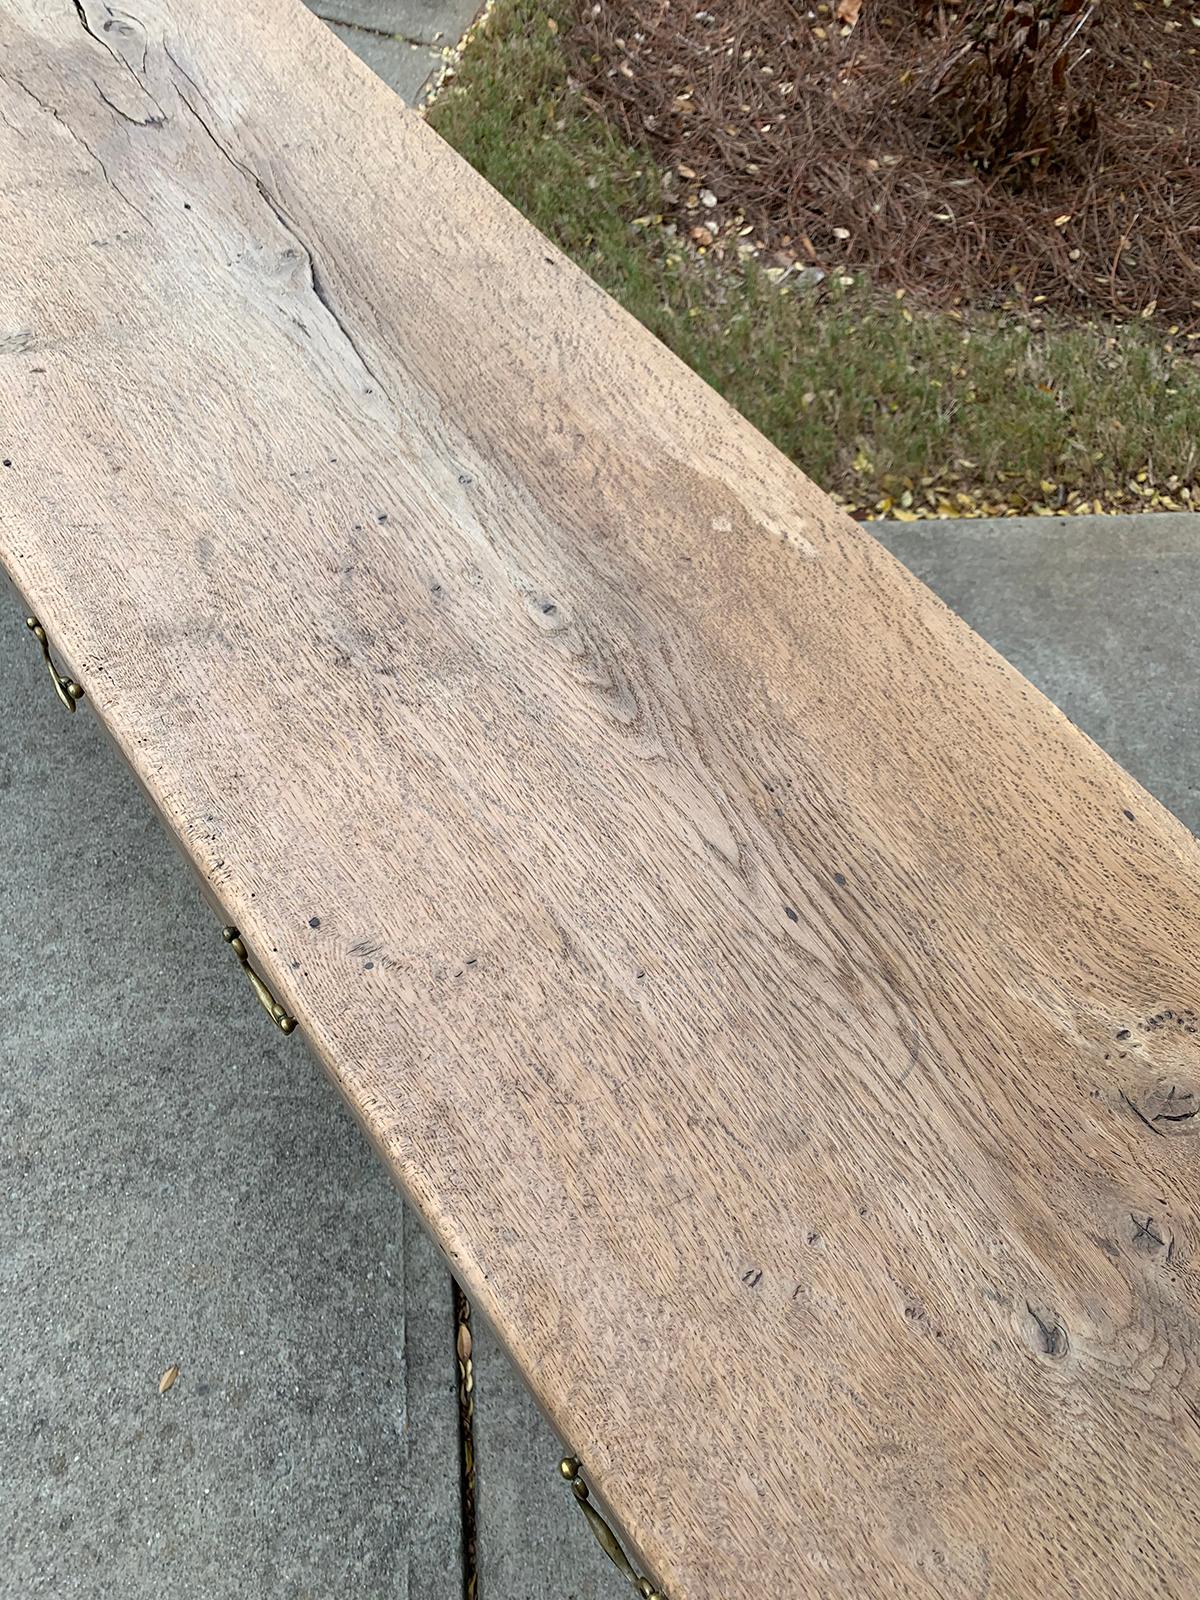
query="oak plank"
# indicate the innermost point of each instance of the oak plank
(783, 1019)
(1071, 602)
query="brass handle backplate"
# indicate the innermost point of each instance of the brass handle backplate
(605, 1537)
(67, 690)
(270, 1005)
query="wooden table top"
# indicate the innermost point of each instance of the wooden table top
(784, 1020)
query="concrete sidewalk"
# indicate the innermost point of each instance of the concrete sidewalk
(1099, 612)
(400, 40)
(181, 1185)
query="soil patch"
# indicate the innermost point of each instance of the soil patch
(1036, 153)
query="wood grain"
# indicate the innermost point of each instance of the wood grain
(784, 1020)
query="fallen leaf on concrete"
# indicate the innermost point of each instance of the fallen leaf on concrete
(167, 1379)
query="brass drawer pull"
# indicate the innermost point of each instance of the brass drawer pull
(270, 1005)
(67, 690)
(606, 1538)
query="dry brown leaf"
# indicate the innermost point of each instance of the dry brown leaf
(168, 1378)
(848, 11)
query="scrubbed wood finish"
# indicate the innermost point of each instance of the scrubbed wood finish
(782, 1017)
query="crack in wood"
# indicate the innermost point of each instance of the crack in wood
(315, 281)
(83, 144)
(115, 54)
(1140, 1114)
(150, 122)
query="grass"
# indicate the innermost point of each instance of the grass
(896, 411)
